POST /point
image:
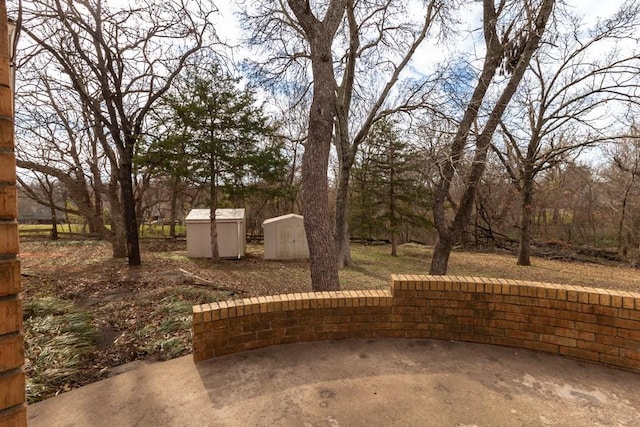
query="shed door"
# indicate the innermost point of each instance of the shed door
(292, 242)
(227, 239)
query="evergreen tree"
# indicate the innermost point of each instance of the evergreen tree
(219, 138)
(389, 193)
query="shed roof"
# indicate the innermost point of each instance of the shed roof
(221, 215)
(282, 217)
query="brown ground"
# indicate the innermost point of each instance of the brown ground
(144, 313)
(139, 313)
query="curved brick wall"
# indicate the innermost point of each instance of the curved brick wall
(595, 325)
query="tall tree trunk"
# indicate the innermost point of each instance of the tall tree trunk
(97, 193)
(317, 224)
(441, 254)
(48, 187)
(174, 206)
(524, 251)
(54, 223)
(129, 207)
(345, 150)
(452, 231)
(213, 195)
(622, 244)
(315, 160)
(392, 204)
(93, 228)
(394, 244)
(118, 237)
(446, 233)
(315, 187)
(342, 237)
(215, 252)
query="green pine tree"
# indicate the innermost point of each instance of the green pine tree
(389, 194)
(219, 138)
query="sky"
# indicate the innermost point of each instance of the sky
(229, 29)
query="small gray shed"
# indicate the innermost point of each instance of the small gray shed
(230, 225)
(285, 238)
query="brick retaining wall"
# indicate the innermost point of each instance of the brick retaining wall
(595, 325)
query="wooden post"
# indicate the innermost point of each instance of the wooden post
(13, 410)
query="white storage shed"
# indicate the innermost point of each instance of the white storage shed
(285, 238)
(230, 225)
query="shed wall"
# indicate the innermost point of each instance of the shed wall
(285, 238)
(231, 239)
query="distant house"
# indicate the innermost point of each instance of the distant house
(31, 212)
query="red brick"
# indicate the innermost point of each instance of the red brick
(8, 202)
(8, 238)
(561, 323)
(456, 310)
(600, 310)
(580, 353)
(229, 349)
(595, 328)
(574, 333)
(561, 341)
(523, 335)
(629, 334)
(613, 340)
(632, 325)
(6, 132)
(628, 302)
(11, 352)
(10, 316)
(507, 341)
(572, 294)
(9, 277)
(605, 299)
(15, 417)
(516, 317)
(621, 362)
(7, 166)
(616, 300)
(597, 347)
(540, 346)
(539, 329)
(12, 385)
(629, 314)
(630, 353)
(583, 297)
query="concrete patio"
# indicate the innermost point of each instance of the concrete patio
(383, 382)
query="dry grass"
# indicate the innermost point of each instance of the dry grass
(145, 312)
(543, 270)
(375, 265)
(89, 269)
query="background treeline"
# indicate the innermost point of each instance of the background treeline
(593, 201)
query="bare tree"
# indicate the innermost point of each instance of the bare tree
(319, 34)
(567, 101)
(622, 175)
(43, 191)
(119, 62)
(373, 51)
(380, 42)
(523, 24)
(55, 144)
